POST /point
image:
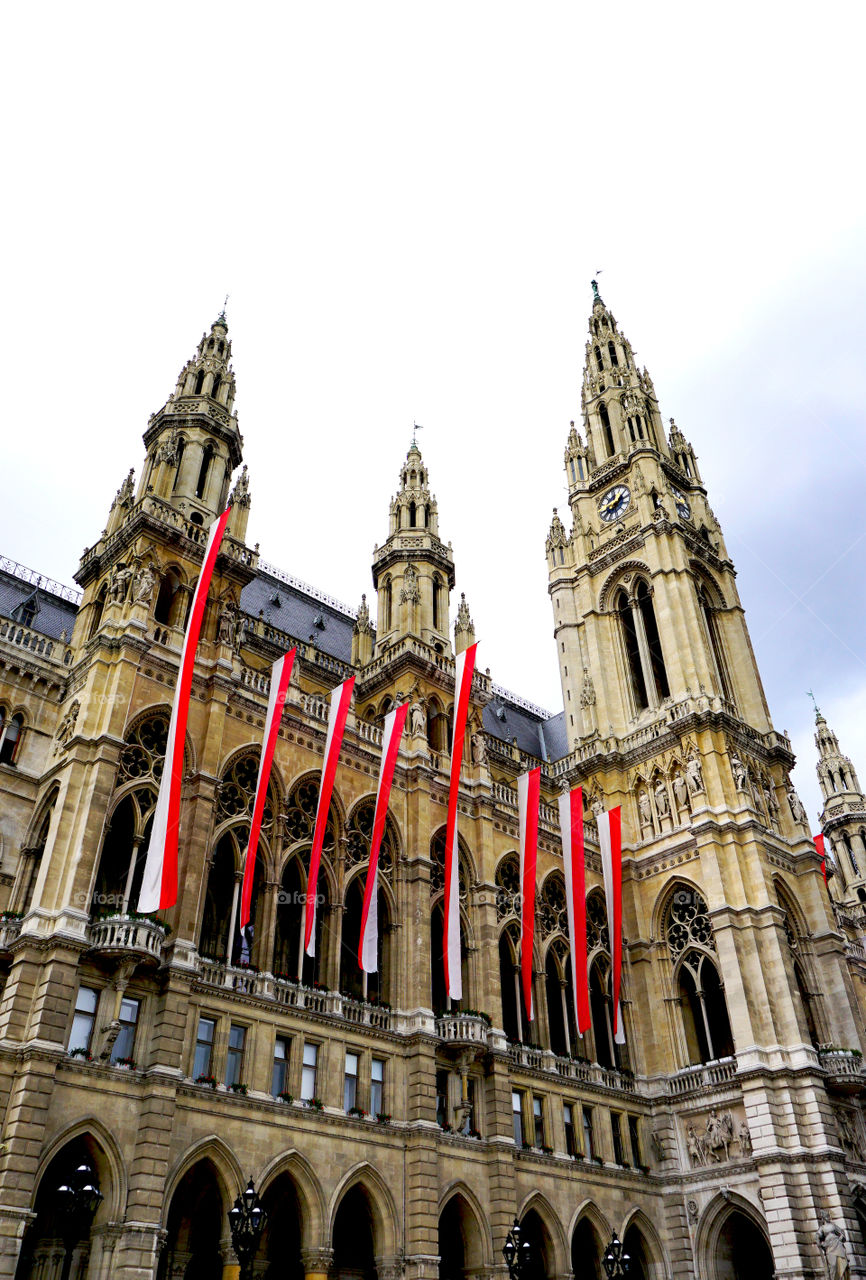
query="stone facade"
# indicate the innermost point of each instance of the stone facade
(180, 1056)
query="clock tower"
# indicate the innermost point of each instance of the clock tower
(646, 612)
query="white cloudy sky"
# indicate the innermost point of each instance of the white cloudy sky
(406, 204)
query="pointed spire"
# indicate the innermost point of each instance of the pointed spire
(836, 773)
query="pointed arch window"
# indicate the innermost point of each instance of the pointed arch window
(10, 739)
(207, 455)
(634, 664)
(413, 515)
(653, 640)
(31, 861)
(437, 602)
(217, 383)
(711, 622)
(98, 609)
(199, 382)
(598, 360)
(691, 944)
(181, 445)
(611, 351)
(606, 428)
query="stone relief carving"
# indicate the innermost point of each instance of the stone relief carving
(720, 1139)
(66, 728)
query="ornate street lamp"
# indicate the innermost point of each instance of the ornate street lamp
(616, 1261)
(247, 1221)
(516, 1252)
(77, 1201)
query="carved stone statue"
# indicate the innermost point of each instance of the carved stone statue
(597, 806)
(227, 622)
(831, 1242)
(119, 585)
(417, 720)
(479, 748)
(143, 584)
(167, 451)
(681, 791)
(643, 804)
(696, 1147)
(720, 1133)
(738, 769)
(662, 801)
(795, 804)
(745, 1140)
(587, 692)
(410, 591)
(66, 728)
(694, 773)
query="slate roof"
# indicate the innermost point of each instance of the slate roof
(53, 614)
(289, 608)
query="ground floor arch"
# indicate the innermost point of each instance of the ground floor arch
(42, 1251)
(733, 1242)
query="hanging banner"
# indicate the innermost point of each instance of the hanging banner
(281, 674)
(574, 867)
(528, 797)
(159, 885)
(368, 945)
(465, 667)
(341, 697)
(822, 854)
(610, 840)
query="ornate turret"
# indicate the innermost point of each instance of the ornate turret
(843, 818)
(413, 571)
(193, 442)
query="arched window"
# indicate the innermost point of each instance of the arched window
(359, 834)
(846, 839)
(691, 945)
(598, 360)
(413, 515)
(437, 726)
(181, 445)
(217, 382)
(515, 1023)
(654, 644)
(98, 608)
(437, 949)
(715, 641)
(632, 650)
(206, 456)
(386, 605)
(31, 861)
(10, 739)
(199, 382)
(165, 610)
(437, 602)
(611, 351)
(605, 424)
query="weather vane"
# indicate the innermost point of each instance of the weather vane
(416, 426)
(225, 304)
(812, 696)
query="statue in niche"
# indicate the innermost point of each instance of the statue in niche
(143, 584)
(643, 804)
(795, 804)
(662, 802)
(479, 748)
(694, 773)
(681, 791)
(119, 584)
(745, 1140)
(738, 769)
(227, 622)
(831, 1241)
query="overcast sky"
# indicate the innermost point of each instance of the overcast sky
(406, 205)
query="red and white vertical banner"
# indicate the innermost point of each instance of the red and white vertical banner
(368, 946)
(159, 885)
(610, 840)
(574, 866)
(822, 854)
(281, 674)
(528, 796)
(341, 698)
(465, 668)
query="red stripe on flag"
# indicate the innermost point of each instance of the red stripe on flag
(281, 674)
(465, 666)
(822, 854)
(528, 796)
(159, 886)
(574, 866)
(616, 940)
(340, 700)
(395, 722)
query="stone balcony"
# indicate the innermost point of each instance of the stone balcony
(9, 930)
(462, 1030)
(246, 981)
(530, 1058)
(129, 938)
(843, 1071)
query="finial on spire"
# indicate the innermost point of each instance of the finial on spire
(416, 426)
(815, 704)
(595, 293)
(222, 314)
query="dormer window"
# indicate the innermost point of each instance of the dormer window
(319, 621)
(26, 611)
(275, 600)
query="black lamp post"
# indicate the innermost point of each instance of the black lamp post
(247, 1221)
(616, 1261)
(516, 1252)
(77, 1201)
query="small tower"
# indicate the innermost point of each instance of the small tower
(843, 818)
(413, 571)
(193, 442)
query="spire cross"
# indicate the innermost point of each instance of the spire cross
(416, 426)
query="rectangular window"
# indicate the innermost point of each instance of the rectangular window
(85, 1016)
(570, 1136)
(308, 1072)
(377, 1086)
(634, 1138)
(350, 1082)
(128, 1018)
(203, 1048)
(616, 1133)
(538, 1121)
(588, 1143)
(473, 1119)
(280, 1072)
(235, 1056)
(441, 1097)
(517, 1116)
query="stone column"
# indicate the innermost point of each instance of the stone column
(317, 1263)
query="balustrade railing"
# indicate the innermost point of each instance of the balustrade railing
(128, 936)
(21, 637)
(293, 995)
(462, 1028)
(707, 1076)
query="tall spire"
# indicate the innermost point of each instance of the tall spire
(842, 819)
(413, 571)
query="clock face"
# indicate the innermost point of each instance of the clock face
(614, 503)
(682, 503)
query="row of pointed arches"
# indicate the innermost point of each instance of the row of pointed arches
(353, 1231)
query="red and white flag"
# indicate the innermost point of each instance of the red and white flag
(281, 674)
(822, 854)
(610, 839)
(528, 796)
(159, 885)
(574, 866)
(465, 667)
(368, 945)
(341, 697)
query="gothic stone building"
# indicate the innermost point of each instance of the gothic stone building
(390, 1133)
